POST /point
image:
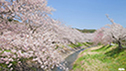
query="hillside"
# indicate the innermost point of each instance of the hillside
(101, 58)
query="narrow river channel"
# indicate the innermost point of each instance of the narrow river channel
(70, 59)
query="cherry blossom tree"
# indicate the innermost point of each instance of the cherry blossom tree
(98, 36)
(32, 12)
(27, 32)
(101, 37)
(20, 39)
(111, 32)
(116, 31)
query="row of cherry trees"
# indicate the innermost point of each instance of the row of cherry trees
(110, 33)
(26, 31)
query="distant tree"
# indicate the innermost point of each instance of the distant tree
(99, 37)
(87, 30)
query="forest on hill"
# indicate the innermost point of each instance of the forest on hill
(87, 30)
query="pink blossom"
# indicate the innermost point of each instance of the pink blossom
(9, 65)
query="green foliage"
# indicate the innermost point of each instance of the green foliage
(56, 47)
(3, 67)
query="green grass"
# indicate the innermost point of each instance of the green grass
(104, 48)
(87, 44)
(84, 51)
(108, 58)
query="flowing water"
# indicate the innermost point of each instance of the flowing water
(70, 59)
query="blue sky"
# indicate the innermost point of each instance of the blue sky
(89, 14)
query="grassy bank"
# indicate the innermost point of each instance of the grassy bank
(101, 58)
(75, 47)
(86, 44)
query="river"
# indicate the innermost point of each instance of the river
(70, 59)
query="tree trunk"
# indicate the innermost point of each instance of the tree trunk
(119, 44)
